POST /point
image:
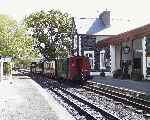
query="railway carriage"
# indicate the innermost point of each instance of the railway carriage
(75, 69)
(36, 67)
(49, 69)
(33, 67)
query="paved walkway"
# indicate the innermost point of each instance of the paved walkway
(23, 99)
(141, 86)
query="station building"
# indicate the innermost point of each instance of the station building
(89, 35)
(86, 31)
(131, 47)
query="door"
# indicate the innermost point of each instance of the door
(90, 55)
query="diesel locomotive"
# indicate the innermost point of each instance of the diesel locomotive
(75, 69)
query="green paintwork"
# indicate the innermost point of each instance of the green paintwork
(62, 68)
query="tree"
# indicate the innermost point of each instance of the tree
(7, 27)
(52, 28)
(23, 46)
(14, 41)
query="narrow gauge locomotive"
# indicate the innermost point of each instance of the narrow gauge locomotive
(75, 69)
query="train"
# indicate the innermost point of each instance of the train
(74, 69)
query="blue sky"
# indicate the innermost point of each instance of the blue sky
(127, 9)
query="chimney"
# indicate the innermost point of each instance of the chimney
(105, 17)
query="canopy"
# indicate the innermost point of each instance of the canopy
(134, 34)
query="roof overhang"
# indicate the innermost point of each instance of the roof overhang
(126, 36)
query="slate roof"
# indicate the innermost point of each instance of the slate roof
(95, 26)
(119, 26)
(88, 25)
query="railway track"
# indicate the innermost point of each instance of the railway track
(90, 106)
(126, 97)
(84, 107)
(76, 107)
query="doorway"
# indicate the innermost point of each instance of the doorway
(90, 55)
(137, 67)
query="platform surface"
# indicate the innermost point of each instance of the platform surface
(23, 99)
(135, 85)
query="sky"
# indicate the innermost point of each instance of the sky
(138, 10)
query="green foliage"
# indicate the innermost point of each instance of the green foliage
(14, 41)
(7, 28)
(43, 25)
(7, 68)
(23, 63)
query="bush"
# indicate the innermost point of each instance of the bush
(7, 68)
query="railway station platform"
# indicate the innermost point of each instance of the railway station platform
(23, 99)
(135, 85)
